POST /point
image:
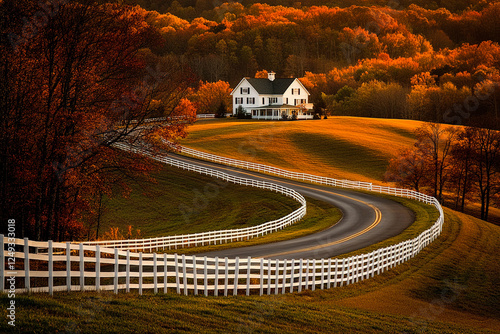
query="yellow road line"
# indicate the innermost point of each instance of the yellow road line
(378, 214)
(378, 217)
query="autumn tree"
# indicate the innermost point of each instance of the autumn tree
(211, 95)
(464, 165)
(435, 142)
(72, 86)
(487, 159)
(408, 169)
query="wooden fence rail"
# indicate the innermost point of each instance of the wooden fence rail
(46, 266)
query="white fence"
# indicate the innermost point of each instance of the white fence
(309, 177)
(211, 237)
(48, 266)
(77, 267)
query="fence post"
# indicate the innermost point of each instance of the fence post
(82, 268)
(335, 272)
(268, 276)
(248, 275)
(195, 277)
(283, 282)
(155, 274)
(261, 277)
(97, 267)
(127, 279)
(329, 274)
(307, 275)
(2, 265)
(226, 276)
(117, 266)
(27, 282)
(277, 277)
(322, 274)
(184, 278)
(313, 278)
(140, 273)
(236, 272)
(177, 279)
(205, 273)
(300, 274)
(342, 274)
(51, 270)
(165, 273)
(216, 283)
(292, 276)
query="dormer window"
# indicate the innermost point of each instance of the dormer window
(245, 90)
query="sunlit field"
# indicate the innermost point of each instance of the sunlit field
(341, 147)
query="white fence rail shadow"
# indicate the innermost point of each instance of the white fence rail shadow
(50, 266)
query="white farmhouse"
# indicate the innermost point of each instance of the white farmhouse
(272, 98)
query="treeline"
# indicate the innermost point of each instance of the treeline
(240, 40)
(404, 62)
(457, 165)
(459, 86)
(190, 9)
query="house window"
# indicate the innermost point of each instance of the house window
(245, 90)
(287, 100)
(299, 101)
(250, 100)
(295, 91)
(263, 101)
(239, 100)
(273, 100)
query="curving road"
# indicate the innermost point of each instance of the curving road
(366, 220)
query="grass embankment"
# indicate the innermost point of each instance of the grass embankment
(340, 147)
(450, 287)
(320, 216)
(186, 202)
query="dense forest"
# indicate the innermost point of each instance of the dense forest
(421, 62)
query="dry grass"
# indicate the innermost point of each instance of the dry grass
(454, 280)
(341, 147)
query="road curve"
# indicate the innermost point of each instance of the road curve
(366, 220)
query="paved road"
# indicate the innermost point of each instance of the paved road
(366, 220)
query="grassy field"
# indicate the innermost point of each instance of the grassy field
(320, 216)
(352, 148)
(341, 147)
(450, 287)
(187, 202)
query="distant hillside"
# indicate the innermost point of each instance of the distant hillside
(352, 148)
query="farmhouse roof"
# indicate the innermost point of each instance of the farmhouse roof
(266, 86)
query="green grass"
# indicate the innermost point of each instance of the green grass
(187, 202)
(320, 216)
(450, 287)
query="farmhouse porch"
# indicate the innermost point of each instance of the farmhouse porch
(276, 112)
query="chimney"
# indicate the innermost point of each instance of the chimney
(271, 76)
